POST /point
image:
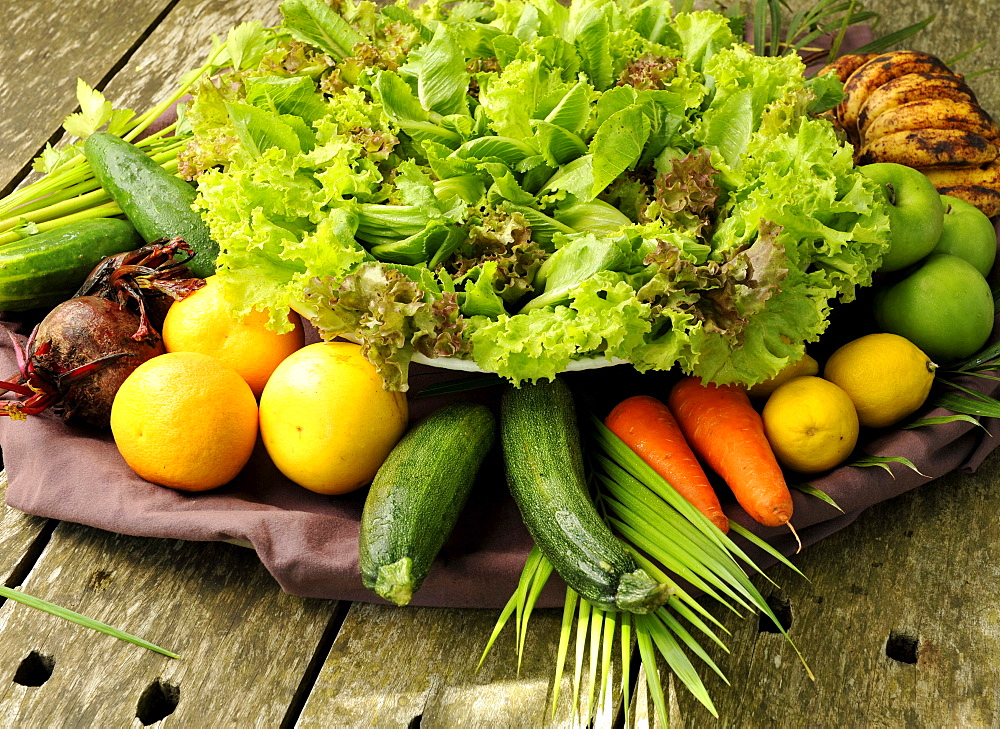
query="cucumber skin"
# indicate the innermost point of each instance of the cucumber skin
(545, 474)
(156, 202)
(419, 492)
(46, 269)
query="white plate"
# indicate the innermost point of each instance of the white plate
(467, 365)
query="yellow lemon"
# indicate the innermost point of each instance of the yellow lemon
(805, 365)
(887, 376)
(202, 322)
(326, 420)
(811, 424)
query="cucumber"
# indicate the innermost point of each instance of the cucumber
(46, 269)
(417, 496)
(157, 203)
(542, 452)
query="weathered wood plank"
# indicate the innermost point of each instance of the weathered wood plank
(390, 666)
(18, 533)
(45, 48)
(920, 571)
(245, 646)
(181, 42)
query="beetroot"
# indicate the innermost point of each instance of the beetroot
(83, 350)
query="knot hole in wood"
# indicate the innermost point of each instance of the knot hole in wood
(901, 647)
(157, 702)
(34, 669)
(782, 611)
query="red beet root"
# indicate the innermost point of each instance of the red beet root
(77, 359)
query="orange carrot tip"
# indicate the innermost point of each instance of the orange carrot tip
(727, 433)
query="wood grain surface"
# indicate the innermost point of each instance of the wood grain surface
(21, 536)
(45, 48)
(245, 646)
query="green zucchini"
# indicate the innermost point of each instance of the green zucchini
(159, 204)
(417, 495)
(46, 269)
(542, 452)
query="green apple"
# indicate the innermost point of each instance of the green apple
(945, 307)
(968, 234)
(916, 213)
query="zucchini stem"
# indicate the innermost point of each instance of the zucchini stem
(395, 581)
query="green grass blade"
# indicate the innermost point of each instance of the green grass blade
(760, 14)
(884, 461)
(627, 459)
(569, 608)
(975, 394)
(515, 605)
(680, 594)
(981, 72)
(625, 632)
(680, 664)
(708, 582)
(678, 630)
(979, 359)
(543, 571)
(651, 533)
(720, 548)
(607, 649)
(761, 544)
(81, 620)
(523, 588)
(808, 488)
(505, 615)
(647, 654)
(582, 623)
(969, 405)
(678, 606)
(596, 631)
(922, 422)
(841, 32)
(953, 60)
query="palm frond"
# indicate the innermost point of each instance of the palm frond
(672, 541)
(884, 462)
(808, 488)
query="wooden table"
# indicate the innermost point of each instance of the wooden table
(899, 620)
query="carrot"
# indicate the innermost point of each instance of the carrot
(724, 429)
(647, 427)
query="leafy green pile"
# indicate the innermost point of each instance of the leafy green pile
(523, 184)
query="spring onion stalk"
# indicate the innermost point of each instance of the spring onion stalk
(69, 192)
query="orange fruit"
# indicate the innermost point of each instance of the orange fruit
(326, 420)
(185, 420)
(203, 322)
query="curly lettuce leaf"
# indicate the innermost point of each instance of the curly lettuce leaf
(603, 318)
(503, 239)
(703, 34)
(390, 314)
(685, 194)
